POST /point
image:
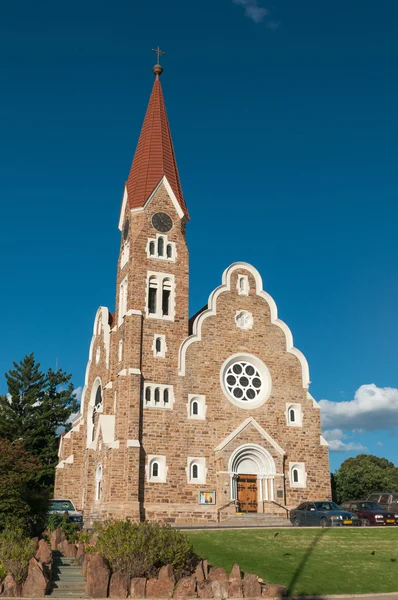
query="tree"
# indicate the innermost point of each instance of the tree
(360, 476)
(36, 410)
(23, 502)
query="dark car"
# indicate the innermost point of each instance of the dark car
(371, 513)
(325, 514)
(65, 507)
(387, 500)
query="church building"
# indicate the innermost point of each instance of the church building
(187, 419)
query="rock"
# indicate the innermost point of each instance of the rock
(37, 581)
(11, 587)
(156, 588)
(166, 574)
(204, 589)
(218, 574)
(206, 568)
(119, 586)
(56, 538)
(235, 589)
(80, 552)
(220, 588)
(251, 586)
(200, 572)
(67, 549)
(186, 588)
(44, 554)
(97, 575)
(273, 590)
(138, 587)
(236, 574)
(86, 560)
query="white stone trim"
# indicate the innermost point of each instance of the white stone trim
(200, 462)
(123, 300)
(302, 475)
(241, 427)
(262, 370)
(161, 403)
(163, 468)
(109, 385)
(133, 444)
(322, 441)
(133, 311)
(242, 285)
(160, 278)
(315, 404)
(171, 194)
(202, 407)
(123, 208)
(125, 255)
(298, 422)
(163, 346)
(212, 310)
(244, 319)
(166, 243)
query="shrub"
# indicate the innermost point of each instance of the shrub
(56, 521)
(3, 572)
(140, 549)
(16, 550)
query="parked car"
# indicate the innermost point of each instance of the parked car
(325, 514)
(387, 500)
(371, 513)
(65, 507)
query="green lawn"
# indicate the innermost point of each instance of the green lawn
(308, 561)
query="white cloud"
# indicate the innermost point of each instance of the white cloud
(372, 408)
(254, 11)
(336, 437)
(380, 443)
(78, 393)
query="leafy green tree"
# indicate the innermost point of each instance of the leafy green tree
(360, 476)
(36, 410)
(23, 501)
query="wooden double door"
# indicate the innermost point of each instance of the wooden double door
(247, 493)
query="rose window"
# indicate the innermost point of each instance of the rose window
(243, 381)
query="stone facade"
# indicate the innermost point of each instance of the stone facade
(107, 461)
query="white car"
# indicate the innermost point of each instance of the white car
(65, 507)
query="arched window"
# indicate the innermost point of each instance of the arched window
(151, 248)
(152, 295)
(154, 469)
(295, 475)
(166, 396)
(166, 294)
(194, 408)
(98, 478)
(292, 415)
(160, 246)
(194, 471)
(148, 395)
(157, 396)
(169, 251)
(98, 398)
(158, 345)
(93, 424)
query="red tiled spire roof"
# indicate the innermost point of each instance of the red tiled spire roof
(154, 156)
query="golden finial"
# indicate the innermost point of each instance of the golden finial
(158, 69)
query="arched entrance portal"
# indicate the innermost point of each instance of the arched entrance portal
(252, 471)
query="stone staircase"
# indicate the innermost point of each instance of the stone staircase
(67, 578)
(257, 520)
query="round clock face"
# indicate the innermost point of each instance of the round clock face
(126, 229)
(162, 222)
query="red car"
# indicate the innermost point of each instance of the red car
(370, 513)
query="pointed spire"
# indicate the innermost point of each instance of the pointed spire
(154, 156)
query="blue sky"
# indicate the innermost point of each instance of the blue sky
(285, 125)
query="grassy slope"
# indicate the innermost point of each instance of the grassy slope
(309, 561)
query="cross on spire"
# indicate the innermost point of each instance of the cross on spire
(159, 53)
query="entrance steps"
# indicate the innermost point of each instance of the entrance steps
(67, 578)
(257, 520)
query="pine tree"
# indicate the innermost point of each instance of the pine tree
(37, 410)
(17, 410)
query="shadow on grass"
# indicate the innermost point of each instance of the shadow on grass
(302, 564)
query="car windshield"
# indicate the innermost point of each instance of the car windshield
(327, 506)
(61, 505)
(394, 499)
(370, 506)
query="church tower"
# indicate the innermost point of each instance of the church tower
(187, 421)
